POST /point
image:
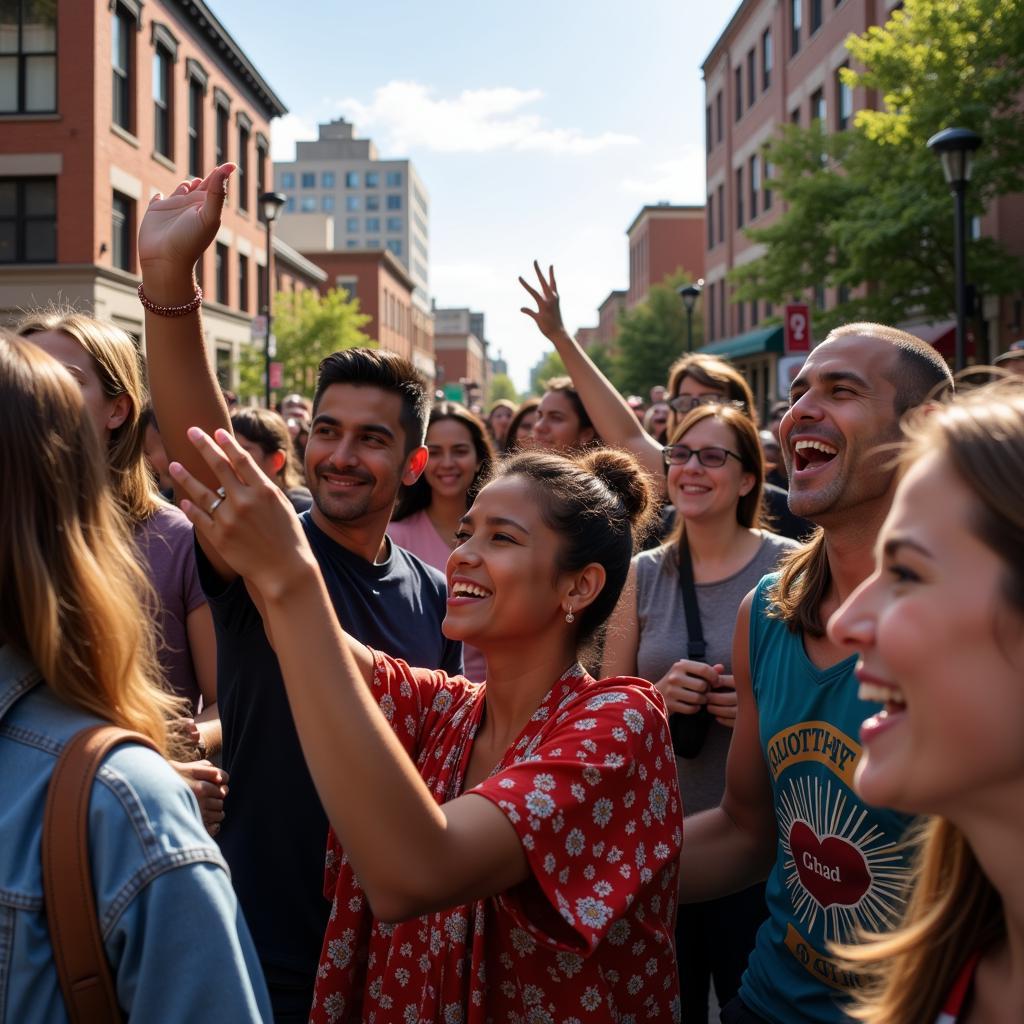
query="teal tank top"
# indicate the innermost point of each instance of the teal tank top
(838, 863)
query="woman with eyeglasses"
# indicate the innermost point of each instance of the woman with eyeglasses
(714, 472)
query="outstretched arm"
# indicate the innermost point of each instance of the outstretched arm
(607, 409)
(174, 233)
(411, 855)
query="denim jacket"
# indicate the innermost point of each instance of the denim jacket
(175, 938)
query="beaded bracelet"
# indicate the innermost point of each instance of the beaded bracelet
(183, 310)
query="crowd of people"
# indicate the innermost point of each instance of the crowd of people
(580, 710)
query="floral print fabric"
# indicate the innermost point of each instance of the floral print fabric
(590, 787)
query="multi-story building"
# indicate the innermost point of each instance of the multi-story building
(663, 239)
(370, 203)
(147, 94)
(384, 289)
(779, 63)
(462, 364)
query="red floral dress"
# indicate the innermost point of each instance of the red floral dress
(590, 787)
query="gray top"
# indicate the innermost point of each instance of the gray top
(663, 638)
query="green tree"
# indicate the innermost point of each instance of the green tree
(502, 387)
(307, 328)
(869, 206)
(550, 366)
(652, 335)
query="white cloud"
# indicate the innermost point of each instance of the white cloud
(679, 179)
(476, 121)
(286, 132)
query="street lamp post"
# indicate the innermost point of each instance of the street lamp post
(955, 148)
(689, 293)
(271, 204)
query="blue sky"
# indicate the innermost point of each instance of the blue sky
(539, 129)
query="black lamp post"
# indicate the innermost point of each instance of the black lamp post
(955, 148)
(689, 293)
(271, 204)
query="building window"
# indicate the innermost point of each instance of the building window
(122, 56)
(163, 84)
(121, 232)
(352, 179)
(223, 126)
(220, 270)
(348, 284)
(819, 296)
(719, 132)
(308, 179)
(707, 127)
(741, 317)
(307, 204)
(352, 243)
(261, 165)
(196, 98)
(739, 197)
(818, 106)
(243, 283)
(261, 289)
(372, 179)
(816, 15)
(796, 23)
(844, 101)
(394, 202)
(769, 309)
(28, 57)
(243, 165)
(353, 203)
(373, 243)
(351, 224)
(327, 179)
(721, 307)
(222, 365)
(373, 223)
(327, 204)
(751, 78)
(753, 313)
(287, 179)
(738, 87)
(394, 224)
(766, 59)
(721, 213)
(373, 202)
(289, 204)
(711, 312)
(843, 295)
(794, 116)
(711, 221)
(394, 179)
(28, 220)
(755, 184)
(768, 169)
(395, 245)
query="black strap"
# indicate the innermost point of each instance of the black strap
(696, 649)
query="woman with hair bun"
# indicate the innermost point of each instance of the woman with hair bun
(515, 842)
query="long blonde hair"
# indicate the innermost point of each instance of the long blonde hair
(73, 598)
(953, 910)
(119, 369)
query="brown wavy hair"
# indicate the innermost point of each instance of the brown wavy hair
(74, 600)
(954, 910)
(712, 372)
(119, 368)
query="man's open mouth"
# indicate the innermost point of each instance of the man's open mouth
(812, 454)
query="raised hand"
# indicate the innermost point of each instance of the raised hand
(177, 230)
(548, 315)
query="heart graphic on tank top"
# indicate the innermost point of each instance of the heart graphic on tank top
(831, 870)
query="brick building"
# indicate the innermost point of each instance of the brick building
(148, 93)
(462, 363)
(663, 239)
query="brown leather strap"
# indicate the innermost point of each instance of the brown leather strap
(82, 967)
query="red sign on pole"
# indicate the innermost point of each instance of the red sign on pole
(276, 375)
(798, 328)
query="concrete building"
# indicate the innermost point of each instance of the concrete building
(341, 193)
(663, 239)
(462, 364)
(384, 289)
(147, 95)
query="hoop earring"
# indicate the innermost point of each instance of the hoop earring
(569, 617)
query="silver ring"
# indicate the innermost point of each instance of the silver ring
(221, 493)
(216, 505)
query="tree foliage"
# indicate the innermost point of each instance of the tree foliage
(550, 365)
(869, 206)
(502, 387)
(652, 335)
(307, 327)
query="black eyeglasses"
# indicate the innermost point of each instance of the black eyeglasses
(685, 403)
(710, 458)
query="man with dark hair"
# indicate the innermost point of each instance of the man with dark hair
(366, 440)
(789, 812)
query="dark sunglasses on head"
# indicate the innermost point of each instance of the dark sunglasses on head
(710, 458)
(685, 403)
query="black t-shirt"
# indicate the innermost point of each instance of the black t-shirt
(274, 833)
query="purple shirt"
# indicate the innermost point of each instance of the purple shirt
(416, 533)
(166, 544)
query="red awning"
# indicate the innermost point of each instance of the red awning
(942, 336)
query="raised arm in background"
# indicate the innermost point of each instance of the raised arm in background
(174, 233)
(607, 409)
